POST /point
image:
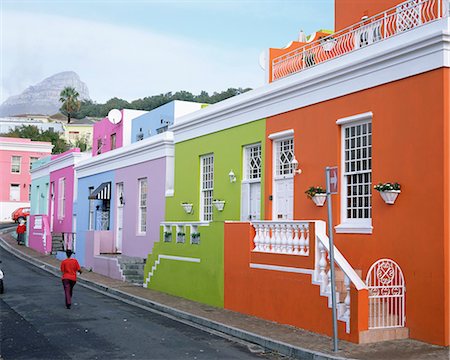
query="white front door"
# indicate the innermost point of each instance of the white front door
(251, 183)
(283, 180)
(119, 212)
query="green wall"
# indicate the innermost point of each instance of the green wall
(203, 281)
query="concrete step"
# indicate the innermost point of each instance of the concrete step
(377, 335)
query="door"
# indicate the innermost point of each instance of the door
(119, 214)
(251, 183)
(283, 183)
(52, 204)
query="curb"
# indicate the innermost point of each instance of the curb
(266, 343)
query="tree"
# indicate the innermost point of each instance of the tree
(70, 102)
(32, 132)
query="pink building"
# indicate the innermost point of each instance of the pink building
(16, 157)
(114, 131)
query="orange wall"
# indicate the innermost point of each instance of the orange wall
(409, 146)
(348, 12)
(283, 297)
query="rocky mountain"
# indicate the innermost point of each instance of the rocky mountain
(43, 98)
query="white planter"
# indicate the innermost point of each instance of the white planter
(389, 196)
(219, 204)
(319, 199)
(187, 208)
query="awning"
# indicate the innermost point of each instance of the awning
(103, 192)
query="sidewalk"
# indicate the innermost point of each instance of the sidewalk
(284, 339)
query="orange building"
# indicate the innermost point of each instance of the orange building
(375, 102)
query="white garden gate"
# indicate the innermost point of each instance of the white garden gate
(386, 286)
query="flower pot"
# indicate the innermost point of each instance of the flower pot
(389, 196)
(187, 208)
(219, 204)
(319, 199)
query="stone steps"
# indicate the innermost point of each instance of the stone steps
(132, 268)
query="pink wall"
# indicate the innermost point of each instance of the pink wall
(64, 224)
(24, 177)
(38, 229)
(103, 130)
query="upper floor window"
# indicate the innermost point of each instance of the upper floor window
(113, 141)
(142, 210)
(99, 146)
(32, 160)
(15, 164)
(356, 209)
(206, 187)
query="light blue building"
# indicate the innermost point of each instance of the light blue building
(158, 120)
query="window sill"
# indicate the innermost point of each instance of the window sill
(352, 228)
(141, 234)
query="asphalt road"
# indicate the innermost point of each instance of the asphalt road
(34, 324)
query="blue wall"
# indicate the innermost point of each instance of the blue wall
(148, 124)
(81, 208)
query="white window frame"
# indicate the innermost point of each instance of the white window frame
(13, 165)
(17, 186)
(91, 218)
(142, 207)
(61, 198)
(350, 225)
(206, 192)
(32, 160)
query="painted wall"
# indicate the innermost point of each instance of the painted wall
(149, 123)
(63, 224)
(348, 12)
(25, 148)
(134, 244)
(82, 208)
(202, 281)
(40, 188)
(405, 114)
(103, 131)
(39, 235)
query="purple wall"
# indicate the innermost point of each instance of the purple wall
(65, 224)
(103, 130)
(154, 171)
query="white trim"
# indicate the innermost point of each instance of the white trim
(282, 134)
(355, 118)
(151, 148)
(179, 258)
(413, 52)
(67, 160)
(354, 228)
(282, 268)
(30, 146)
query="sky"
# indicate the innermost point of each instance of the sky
(137, 48)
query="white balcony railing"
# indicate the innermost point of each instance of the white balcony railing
(284, 237)
(177, 231)
(405, 16)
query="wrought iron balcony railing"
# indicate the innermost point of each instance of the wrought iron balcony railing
(405, 16)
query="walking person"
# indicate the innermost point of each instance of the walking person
(21, 229)
(69, 268)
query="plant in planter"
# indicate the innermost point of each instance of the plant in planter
(219, 204)
(195, 237)
(187, 207)
(317, 194)
(167, 236)
(180, 236)
(388, 191)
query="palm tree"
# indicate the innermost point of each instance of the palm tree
(69, 98)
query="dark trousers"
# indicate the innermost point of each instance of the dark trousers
(68, 290)
(21, 238)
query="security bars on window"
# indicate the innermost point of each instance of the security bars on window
(358, 170)
(142, 205)
(285, 154)
(207, 186)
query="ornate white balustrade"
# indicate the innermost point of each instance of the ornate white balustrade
(284, 237)
(405, 16)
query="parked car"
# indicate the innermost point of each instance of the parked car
(20, 213)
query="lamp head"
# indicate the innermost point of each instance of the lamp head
(232, 176)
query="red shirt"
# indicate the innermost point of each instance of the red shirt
(21, 229)
(69, 268)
